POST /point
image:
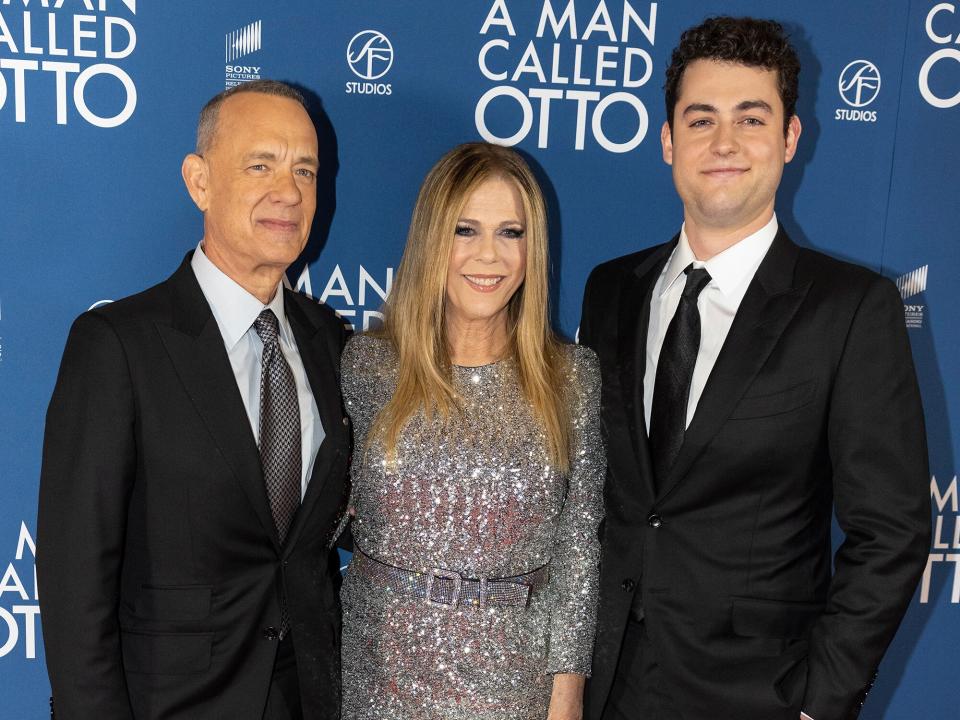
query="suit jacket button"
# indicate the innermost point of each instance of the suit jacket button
(346, 420)
(628, 585)
(271, 633)
(654, 520)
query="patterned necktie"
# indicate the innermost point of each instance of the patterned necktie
(671, 389)
(279, 426)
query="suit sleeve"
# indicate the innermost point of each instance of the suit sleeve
(878, 450)
(89, 461)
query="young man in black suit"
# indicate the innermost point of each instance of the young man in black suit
(750, 388)
(195, 457)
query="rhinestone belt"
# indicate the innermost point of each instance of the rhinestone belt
(449, 589)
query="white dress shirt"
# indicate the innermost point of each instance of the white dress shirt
(235, 309)
(730, 274)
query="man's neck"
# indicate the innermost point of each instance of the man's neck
(262, 283)
(708, 240)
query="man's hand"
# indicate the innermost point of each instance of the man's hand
(566, 701)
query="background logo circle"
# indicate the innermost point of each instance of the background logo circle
(370, 54)
(859, 83)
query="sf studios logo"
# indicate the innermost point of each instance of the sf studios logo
(859, 86)
(369, 57)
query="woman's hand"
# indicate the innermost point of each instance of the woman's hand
(566, 700)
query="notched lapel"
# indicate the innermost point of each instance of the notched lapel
(323, 376)
(195, 346)
(204, 369)
(633, 321)
(766, 310)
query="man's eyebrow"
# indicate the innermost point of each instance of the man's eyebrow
(699, 107)
(308, 160)
(268, 155)
(755, 105)
(260, 155)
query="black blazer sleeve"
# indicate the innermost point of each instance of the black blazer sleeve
(89, 461)
(878, 452)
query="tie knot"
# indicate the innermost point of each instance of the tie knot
(697, 279)
(267, 327)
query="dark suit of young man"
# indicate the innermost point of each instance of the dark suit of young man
(169, 587)
(717, 597)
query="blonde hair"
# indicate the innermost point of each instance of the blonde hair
(414, 319)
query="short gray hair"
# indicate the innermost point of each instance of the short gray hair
(207, 125)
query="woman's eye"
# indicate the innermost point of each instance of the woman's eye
(464, 231)
(513, 233)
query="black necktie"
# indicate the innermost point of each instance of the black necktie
(671, 389)
(280, 450)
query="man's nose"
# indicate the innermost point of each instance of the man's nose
(285, 188)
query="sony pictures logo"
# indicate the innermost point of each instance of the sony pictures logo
(369, 57)
(238, 44)
(859, 85)
(911, 285)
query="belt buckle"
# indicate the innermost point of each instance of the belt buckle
(435, 573)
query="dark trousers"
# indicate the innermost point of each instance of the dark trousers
(637, 691)
(283, 699)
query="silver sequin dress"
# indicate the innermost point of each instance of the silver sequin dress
(478, 497)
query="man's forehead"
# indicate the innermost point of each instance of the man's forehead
(728, 83)
(253, 108)
(266, 119)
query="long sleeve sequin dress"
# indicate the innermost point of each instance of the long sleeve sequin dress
(479, 497)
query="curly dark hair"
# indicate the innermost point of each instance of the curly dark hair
(745, 41)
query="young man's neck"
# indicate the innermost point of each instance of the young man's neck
(708, 240)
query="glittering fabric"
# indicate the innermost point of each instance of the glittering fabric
(477, 496)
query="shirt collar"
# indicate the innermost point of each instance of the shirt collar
(729, 269)
(234, 308)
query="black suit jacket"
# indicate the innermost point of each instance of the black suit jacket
(812, 406)
(159, 566)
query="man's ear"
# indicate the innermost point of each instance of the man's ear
(793, 137)
(195, 176)
(666, 142)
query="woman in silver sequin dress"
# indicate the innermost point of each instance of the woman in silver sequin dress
(477, 469)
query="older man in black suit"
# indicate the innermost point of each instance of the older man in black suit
(750, 388)
(195, 458)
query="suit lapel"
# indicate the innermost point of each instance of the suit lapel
(196, 349)
(767, 308)
(322, 375)
(633, 322)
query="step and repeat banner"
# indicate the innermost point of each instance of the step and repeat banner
(98, 105)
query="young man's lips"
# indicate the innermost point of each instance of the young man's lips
(725, 172)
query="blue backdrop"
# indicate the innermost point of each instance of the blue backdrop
(98, 103)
